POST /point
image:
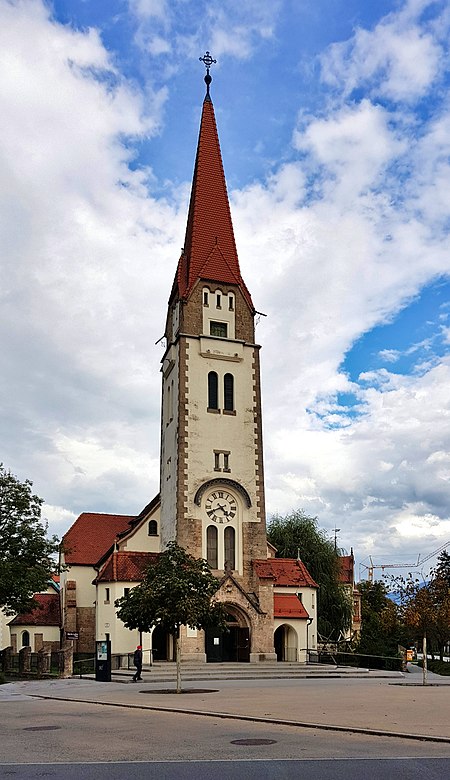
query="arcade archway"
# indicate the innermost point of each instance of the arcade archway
(286, 643)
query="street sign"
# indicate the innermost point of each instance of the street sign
(72, 635)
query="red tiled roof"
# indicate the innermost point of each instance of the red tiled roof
(126, 566)
(346, 574)
(288, 605)
(284, 571)
(91, 535)
(209, 247)
(47, 613)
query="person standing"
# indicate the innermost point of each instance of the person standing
(137, 661)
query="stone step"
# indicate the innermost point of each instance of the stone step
(166, 672)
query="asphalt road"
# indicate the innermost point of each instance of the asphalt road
(343, 769)
(41, 731)
(72, 739)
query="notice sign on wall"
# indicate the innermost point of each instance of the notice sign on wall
(72, 635)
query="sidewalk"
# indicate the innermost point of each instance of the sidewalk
(395, 705)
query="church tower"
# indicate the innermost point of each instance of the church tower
(212, 479)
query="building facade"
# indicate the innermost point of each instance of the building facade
(211, 497)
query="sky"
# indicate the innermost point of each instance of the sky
(334, 122)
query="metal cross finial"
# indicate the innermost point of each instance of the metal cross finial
(208, 61)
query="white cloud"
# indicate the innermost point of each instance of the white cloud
(229, 29)
(399, 59)
(149, 9)
(354, 242)
(389, 355)
(333, 243)
(82, 248)
(391, 465)
(355, 145)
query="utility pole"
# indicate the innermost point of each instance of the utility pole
(336, 531)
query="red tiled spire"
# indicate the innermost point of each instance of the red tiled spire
(209, 248)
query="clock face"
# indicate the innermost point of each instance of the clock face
(220, 506)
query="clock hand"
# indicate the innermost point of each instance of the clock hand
(222, 508)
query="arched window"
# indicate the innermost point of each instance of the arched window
(211, 546)
(213, 396)
(153, 528)
(169, 401)
(228, 392)
(25, 639)
(229, 548)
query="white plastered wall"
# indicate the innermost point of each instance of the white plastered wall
(123, 640)
(4, 630)
(84, 576)
(49, 634)
(209, 431)
(307, 634)
(169, 446)
(139, 540)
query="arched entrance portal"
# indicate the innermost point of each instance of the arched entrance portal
(231, 645)
(286, 643)
(162, 645)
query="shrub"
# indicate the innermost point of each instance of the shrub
(438, 667)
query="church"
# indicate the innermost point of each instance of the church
(211, 498)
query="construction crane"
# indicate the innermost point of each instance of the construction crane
(370, 568)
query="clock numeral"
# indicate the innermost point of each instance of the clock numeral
(220, 494)
(214, 495)
(232, 514)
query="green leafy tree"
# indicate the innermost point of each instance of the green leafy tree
(425, 608)
(443, 567)
(381, 629)
(26, 553)
(296, 534)
(176, 591)
(440, 590)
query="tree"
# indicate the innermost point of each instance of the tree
(299, 535)
(381, 630)
(419, 607)
(425, 607)
(443, 566)
(176, 591)
(26, 562)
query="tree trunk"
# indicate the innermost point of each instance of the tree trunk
(424, 659)
(178, 654)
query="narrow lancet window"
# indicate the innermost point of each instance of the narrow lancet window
(228, 392)
(229, 539)
(211, 546)
(213, 386)
(153, 528)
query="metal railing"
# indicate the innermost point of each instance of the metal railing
(340, 658)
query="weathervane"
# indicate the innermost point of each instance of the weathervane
(208, 61)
